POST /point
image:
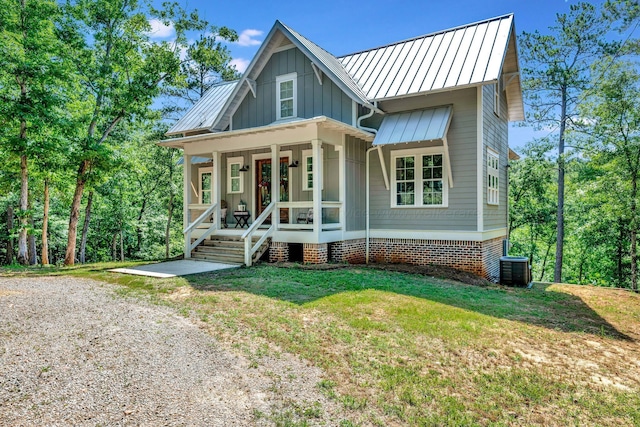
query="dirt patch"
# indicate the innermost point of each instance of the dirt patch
(6, 293)
(438, 271)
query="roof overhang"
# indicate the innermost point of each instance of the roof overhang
(279, 133)
(430, 124)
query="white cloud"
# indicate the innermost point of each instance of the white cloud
(247, 37)
(241, 64)
(161, 31)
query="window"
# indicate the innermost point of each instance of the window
(307, 169)
(496, 99)
(204, 185)
(235, 178)
(418, 179)
(286, 105)
(493, 183)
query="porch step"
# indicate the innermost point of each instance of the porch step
(225, 249)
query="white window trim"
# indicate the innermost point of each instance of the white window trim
(232, 161)
(418, 196)
(496, 99)
(284, 78)
(493, 194)
(201, 172)
(305, 155)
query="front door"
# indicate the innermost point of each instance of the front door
(263, 186)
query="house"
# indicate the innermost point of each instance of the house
(394, 154)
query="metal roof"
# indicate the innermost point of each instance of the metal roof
(323, 58)
(467, 55)
(204, 112)
(414, 126)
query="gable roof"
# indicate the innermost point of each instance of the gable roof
(470, 55)
(203, 113)
(462, 56)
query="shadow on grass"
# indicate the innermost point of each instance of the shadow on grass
(538, 306)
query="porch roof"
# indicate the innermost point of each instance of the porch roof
(320, 122)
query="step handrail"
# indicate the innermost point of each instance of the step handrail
(188, 246)
(247, 236)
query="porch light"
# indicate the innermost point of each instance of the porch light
(294, 164)
(244, 168)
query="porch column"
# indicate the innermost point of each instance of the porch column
(187, 201)
(316, 152)
(275, 184)
(216, 195)
(342, 183)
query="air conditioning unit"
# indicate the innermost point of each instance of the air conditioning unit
(515, 271)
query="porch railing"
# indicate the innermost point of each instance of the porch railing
(247, 236)
(188, 246)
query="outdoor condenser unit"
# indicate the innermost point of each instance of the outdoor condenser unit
(515, 271)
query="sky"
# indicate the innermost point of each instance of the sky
(344, 26)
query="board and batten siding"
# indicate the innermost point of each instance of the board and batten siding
(461, 213)
(355, 175)
(496, 136)
(313, 99)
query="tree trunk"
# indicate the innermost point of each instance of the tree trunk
(81, 180)
(121, 246)
(167, 233)
(85, 229)
(9, 254)
(620, 253)
(114, 246)
(557, 272)
(634, 233)
(33, 252)
(23, 251)
(139, 225)
(45, 225)
(544, 261)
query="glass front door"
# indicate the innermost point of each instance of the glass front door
(264, 185)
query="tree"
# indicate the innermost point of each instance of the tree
(30, 78)
(121, 70)
(616, 130)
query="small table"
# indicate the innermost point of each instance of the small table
(242, 218)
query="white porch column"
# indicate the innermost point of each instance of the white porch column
(316, 152)
(216, 194)
(343, 188)
(275, 184)
(187, 201)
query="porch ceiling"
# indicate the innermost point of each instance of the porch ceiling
(291, 132)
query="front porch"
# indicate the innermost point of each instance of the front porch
(229, 171)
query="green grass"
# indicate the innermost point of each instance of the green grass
(400, 348)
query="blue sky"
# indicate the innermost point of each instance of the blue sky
(343, 27)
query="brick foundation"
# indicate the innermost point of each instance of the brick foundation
(481, 258)
(351, 251)
(313, 253)
(278, 252)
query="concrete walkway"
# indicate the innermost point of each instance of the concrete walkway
(163, 270)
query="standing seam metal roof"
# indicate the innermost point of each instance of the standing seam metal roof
(205, 111)
(414, 126)
(466, 55)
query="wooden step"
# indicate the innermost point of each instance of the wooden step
(225, 249)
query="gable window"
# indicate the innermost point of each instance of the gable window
(204, 181)
(235, 179)
(493, 184)
(496, 99)
(419, 178)
(286, 90)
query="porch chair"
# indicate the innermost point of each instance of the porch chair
(305, 218)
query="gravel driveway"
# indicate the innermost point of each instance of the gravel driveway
(72, 352)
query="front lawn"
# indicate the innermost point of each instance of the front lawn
(405, 349)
